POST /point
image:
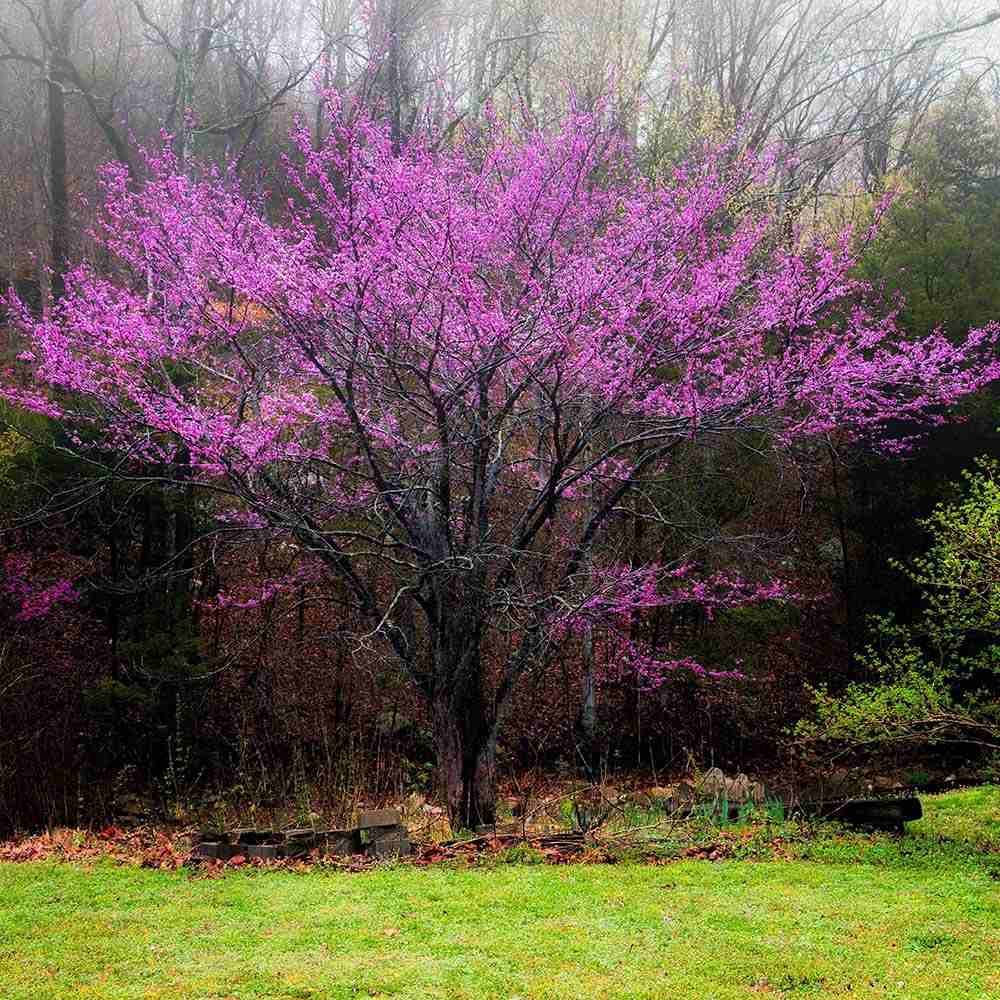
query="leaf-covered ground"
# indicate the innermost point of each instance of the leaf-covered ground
(847, 916)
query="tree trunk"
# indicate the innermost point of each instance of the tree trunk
(465, 738)
(586, 719)
(58, 188)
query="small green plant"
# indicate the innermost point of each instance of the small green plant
(520, 854)
(934, 679)
(771, 811)
(931, 941)
(806, 984)
(567, 811)
(774, 808)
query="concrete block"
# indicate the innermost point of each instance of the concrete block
(216, 852)
(266, 852)
(299, 843)
(339, 842)
(378, 817)
(212, 837)
(258, 837)
(383, 833)
(390, 847)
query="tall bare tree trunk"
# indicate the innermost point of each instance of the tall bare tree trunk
(58, 184)
(463, 717)
(465, 741)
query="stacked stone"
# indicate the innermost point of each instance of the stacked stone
(382, 835)
(379, 834)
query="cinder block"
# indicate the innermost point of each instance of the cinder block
(339, 842)
(216, 852)
(390, 847)
(307, 834)
(298, 843)
(383, 833)
(212, 837)
(378, 817)
(257, 837)
(266, 852)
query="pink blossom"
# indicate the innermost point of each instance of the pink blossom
(445, 368)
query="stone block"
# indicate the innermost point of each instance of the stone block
(212, 837)
(378, 817)
(375, 833)
(266, 852)
(206, 849)
(396, 846)
(258, 837)
(299, 843)
(215, 851)
(339, 842)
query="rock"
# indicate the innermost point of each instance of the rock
(208, 849)
(373, 835)
(741, 789)
(713, 785)
(882, 813)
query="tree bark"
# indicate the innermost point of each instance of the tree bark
(465, 739)
(58, 187)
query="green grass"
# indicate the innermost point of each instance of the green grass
(863, 918)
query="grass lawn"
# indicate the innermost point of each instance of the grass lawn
(854, 917)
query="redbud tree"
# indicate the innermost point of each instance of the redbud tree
(444, 371)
